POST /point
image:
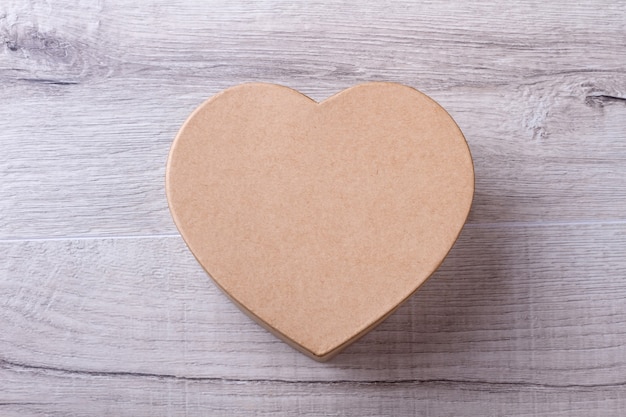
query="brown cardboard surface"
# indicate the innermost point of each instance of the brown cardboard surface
(320, 219)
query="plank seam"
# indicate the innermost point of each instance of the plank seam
(472, 384)
(495, 225)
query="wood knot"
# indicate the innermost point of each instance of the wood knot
(600, 100)
(12, 46)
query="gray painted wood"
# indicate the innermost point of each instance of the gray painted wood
(129, 395)
(104, 311)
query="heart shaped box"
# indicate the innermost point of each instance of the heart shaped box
(320, 219)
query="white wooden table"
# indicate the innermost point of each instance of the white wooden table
(103, 310)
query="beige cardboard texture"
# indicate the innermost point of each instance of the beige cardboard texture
(320, 219)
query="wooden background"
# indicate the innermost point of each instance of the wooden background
(103, 310)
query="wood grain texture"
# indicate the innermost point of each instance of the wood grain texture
(104, 311)
(540, 299)
(539, 96)
(130, 395)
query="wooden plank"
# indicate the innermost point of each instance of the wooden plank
(528, 305)
(325, 42)
(99, 171)
(93, 95)
(39, 392)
